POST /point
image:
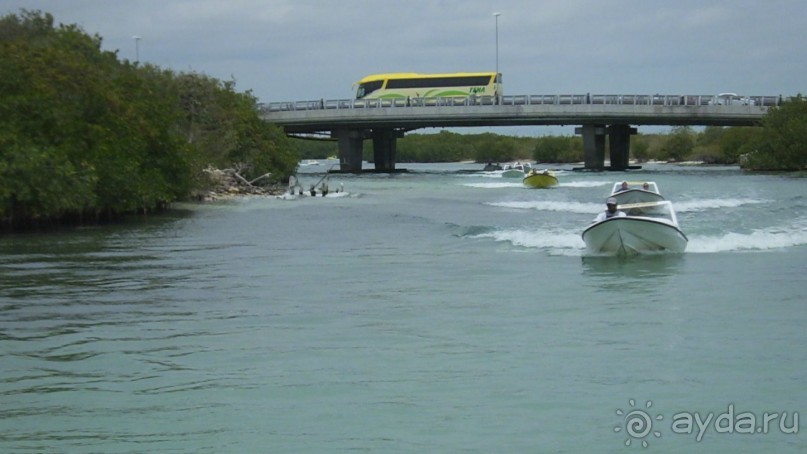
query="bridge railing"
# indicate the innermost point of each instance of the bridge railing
(516, 100)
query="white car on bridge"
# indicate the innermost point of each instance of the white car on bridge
(732, 99)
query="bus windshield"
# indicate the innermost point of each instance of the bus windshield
(368, 87)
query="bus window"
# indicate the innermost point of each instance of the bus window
(439, 82)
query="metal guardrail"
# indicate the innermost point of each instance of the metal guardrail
(518, 100)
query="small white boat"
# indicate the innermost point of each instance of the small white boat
(318, 189)
(627, 192)
(647, 227)
(309, 162)
(516, 170)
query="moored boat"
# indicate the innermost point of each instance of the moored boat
(627, 192)
(540, 179)
(647, 227)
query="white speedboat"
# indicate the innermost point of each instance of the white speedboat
(647, 227)
(626, 192)
(516, 169)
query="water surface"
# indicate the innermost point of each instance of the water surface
(431, 311)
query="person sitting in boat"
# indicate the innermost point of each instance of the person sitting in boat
(610, 211)
(624, 187)
(646, 186)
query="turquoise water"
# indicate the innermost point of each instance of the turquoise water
(432, 311)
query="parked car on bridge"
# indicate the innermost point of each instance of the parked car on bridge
(732, 99)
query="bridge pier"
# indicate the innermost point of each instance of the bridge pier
(351, 147)
(384, 147)
(619, 144)
(351, 143)
(593, 146)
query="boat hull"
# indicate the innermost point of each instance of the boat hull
(540, 180)
(632, 236)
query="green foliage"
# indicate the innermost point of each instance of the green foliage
(490, 147)
(707, 146)
(444, 146)
(37, 181)
(315, 149)
(640, 149)
(558, 149)
(679, 144)
(82, 133)
(735, 141)
(782, 142)
(452, 147)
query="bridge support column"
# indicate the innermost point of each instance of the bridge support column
(619, 144)
(593, 146)
(350, 149)
(384, 147)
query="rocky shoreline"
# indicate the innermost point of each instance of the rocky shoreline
(229, 183)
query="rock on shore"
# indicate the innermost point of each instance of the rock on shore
(228, 183)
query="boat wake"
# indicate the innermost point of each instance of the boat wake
(584, 184)
(567, 243)
(710, 204)
(777, 237)
(550, 205)
(555, 242)
(494, 185)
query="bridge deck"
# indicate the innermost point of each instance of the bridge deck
(384, 120)
(520, 110)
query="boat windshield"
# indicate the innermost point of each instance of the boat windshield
(643, 185)
(658, 210)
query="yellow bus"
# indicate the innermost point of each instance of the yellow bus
(414, 85)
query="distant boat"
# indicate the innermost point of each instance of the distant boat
(540, 179)
(516, 170)
(626, 192)
(318, 189)
(309, 162)
(646, 228)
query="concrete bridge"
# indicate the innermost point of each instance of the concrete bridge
(600, 117)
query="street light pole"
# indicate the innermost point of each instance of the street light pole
(137, 48)
(496, 15)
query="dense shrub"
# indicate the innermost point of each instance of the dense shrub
(782, 142)
(84, 135)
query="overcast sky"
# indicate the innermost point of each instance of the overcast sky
(288, 50)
